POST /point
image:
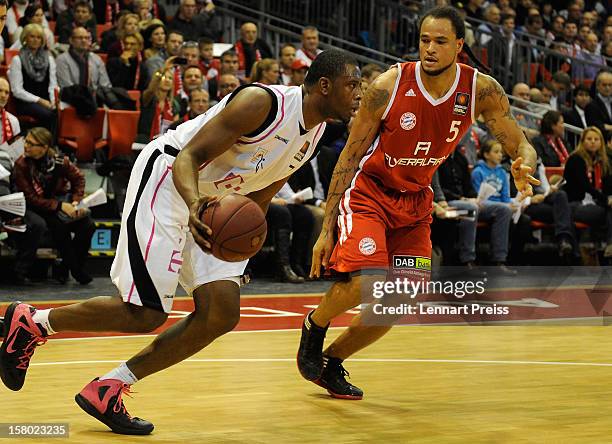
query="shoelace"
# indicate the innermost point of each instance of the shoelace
(119, 406)
(344, 372)
(28, 351)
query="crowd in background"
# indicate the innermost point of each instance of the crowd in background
(59, 59)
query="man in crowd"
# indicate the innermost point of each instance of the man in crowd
(310, 45)
(173, 48)
(250, 49)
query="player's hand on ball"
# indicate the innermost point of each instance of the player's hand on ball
(201, 233)
(321, 252)
(523, 178)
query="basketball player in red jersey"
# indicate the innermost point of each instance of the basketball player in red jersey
(410, 120)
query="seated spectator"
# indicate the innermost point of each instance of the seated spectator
(576, 115)
(549, 145)
(191, 24)
(287, 56)
(156, 112)
(249, 49)
(229, 65)
(192, 79)
(290, 225)
(228, 83)
(599, 112)
(502, 52)
(107, 11)
(112, 38)
(147, 11)
(199, 102)
(310, 45)
(298, 72)
(370, 71)
(550, 204)
(32, 75)
(497, 208)
(125, 71)
(53, 186)
(174, 42)
(33, 14)
(154, 40)
(13, 16)
(588, 185)
(526, 121)
(265, 71)
(10, 124)
(490, 27)
(80, 66)
(206, 46)
(81, 14)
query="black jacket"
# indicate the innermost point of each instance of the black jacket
(546, 152)
(578, 183)
(455, 178)
(597, 115)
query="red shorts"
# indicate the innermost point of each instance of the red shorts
(376, 223)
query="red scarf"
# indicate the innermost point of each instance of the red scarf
(309, 54)
(7, 129)
(178, 81)
(559, 147)
(595, 174)
(155, 9)
(137, 75)
(17, 15)
(165, 114)
(111, 11)
(242, 58)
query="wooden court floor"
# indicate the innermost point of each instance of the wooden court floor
(438, 384)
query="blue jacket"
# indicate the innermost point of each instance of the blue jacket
(497, 177)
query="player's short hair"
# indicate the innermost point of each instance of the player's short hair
(549, 119)
(330, 64)
(446, 12)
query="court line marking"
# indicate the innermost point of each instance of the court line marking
(374, 360)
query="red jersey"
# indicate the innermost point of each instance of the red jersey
(419, 132)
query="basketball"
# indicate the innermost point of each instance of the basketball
(238, 227)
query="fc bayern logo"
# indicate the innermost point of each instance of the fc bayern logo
(367, 246)
(408, 121)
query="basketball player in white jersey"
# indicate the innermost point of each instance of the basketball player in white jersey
(249, 144)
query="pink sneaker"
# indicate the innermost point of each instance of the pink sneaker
(102, 400)
(21, 337)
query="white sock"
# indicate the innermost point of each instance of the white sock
(42, 317)
(122, 373)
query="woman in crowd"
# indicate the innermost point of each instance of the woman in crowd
(33, 14)
(33, 79)
(113, 38)
(124, 70)
(53, 186)
(588, 174)
(266, 71)
(154, 40)
(550, 145)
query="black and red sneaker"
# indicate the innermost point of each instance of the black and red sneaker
(310, 352)
(333, 380)
(102, 400)
(21, 337)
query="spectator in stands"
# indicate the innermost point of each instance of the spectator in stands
(156, 111)
(502, 52)
(473, 9)
(526, 121)
(250, 49)
(561, 84)
(573, 11)
(112, 38)
(570, 37)
(606, 51)
(550, 204)
(156, 62)
(310, 45)
(107, 11)
(265, 71)
(192, 80)
(589, 183)
(81, 14)
(548, 92)
(490, 28)
(599, 112)
(290, 225)
(497, 208)
(32, 75)
(206, 48)
(299, 68)
(576, 115)
(125, 71)
(14, 14)
(287, 56)
(147, 11)
(550, 145)
(10, 123)
(155, 40)
(33, 14)
(370, 71)
(190, 50)
(53, 186)
(227, 85)
(199, 103)
(190, 24)
(558, 23)
(80, 66)
(532, 40)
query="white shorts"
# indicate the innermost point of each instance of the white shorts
(156, 251)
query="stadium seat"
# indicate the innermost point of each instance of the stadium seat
(103, 56)
(122, 130)
(135, 95)
(82, 135)
(100, 29)
(9, 54)
(550, 171)
(51, 25)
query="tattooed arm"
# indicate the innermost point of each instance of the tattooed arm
(363, 132)
(493, 104)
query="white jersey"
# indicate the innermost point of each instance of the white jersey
(253, 163)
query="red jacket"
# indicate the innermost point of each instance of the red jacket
(69, 179)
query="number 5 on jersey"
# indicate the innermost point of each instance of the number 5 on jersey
(454, 130)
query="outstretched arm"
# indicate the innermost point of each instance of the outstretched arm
(363, 132)
(493, 104)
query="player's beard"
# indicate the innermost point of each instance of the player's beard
(439, 71)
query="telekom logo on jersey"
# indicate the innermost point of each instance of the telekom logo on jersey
(416, 161)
